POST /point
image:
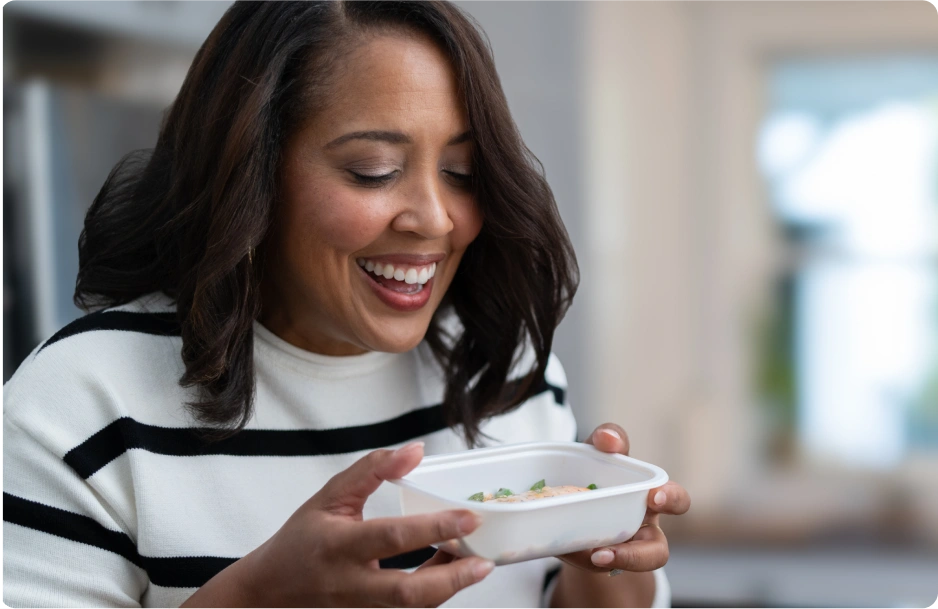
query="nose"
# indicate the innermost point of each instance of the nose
(424, 210)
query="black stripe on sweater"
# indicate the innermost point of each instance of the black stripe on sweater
(172, 572)
(126, 433)
(165, 324)
(549, 577)
(184, 571)
(68, 525)
(408, 560)
(160, 324)
(559, 393)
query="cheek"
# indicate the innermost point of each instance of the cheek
(333, 220)
(467, 223)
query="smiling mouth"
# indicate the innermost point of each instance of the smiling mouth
(403, 279)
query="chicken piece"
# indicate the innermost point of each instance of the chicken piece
(547, 491)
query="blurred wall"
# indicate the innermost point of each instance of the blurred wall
(682, 250)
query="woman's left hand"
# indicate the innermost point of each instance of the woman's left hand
(647, 550)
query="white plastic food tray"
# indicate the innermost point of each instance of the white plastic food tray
(514, 532)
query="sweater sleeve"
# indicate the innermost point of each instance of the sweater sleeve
(662, 598)
(662, 589)
(63, 544)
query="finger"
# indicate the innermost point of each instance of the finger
(610, 438)
(440, 558)
(347, 491)
(598, 560)
(646, 551)
(671, 498)
(581, 560)
(386, 537)
(428, 587)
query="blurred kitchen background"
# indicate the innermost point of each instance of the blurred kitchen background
(752, 190)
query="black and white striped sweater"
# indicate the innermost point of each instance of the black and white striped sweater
(109, 499)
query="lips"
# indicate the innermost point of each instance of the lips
(404, 283)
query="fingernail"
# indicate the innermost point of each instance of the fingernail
(469, 523)
(408, 447)
(660, 498)
(611, 434)
(602, 557)
(483, 568)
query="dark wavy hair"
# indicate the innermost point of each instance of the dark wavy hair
(184, 217)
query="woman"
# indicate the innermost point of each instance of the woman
(338, 244)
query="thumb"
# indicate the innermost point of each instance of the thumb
(347, 491)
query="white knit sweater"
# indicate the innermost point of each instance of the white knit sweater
(110, 500)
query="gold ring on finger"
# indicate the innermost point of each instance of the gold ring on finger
(651, 524)
(615, 572)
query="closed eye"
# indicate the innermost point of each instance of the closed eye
(462, 179)
(372, 181)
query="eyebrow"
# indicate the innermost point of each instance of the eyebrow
(392, 137)
(465, 136)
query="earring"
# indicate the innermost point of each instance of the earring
(251, 255)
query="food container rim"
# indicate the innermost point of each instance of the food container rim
(659, 476)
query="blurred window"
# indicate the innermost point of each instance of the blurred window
(849, 149)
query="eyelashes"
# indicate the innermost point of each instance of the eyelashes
(372, 181)
(462, 180)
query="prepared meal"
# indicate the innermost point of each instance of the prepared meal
(538, 490)
(515, 529)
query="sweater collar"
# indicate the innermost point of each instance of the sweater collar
(344, 365)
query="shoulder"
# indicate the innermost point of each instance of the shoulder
(100, 340)
(544, 417)
(154, 315)
(98, 368)
(554, 378)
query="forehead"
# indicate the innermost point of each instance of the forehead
(396, 81)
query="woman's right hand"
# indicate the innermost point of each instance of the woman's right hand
(325, 555)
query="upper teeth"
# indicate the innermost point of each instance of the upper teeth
(407, 274)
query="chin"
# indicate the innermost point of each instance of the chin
(398, 342)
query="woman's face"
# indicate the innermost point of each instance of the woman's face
(378, 177)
